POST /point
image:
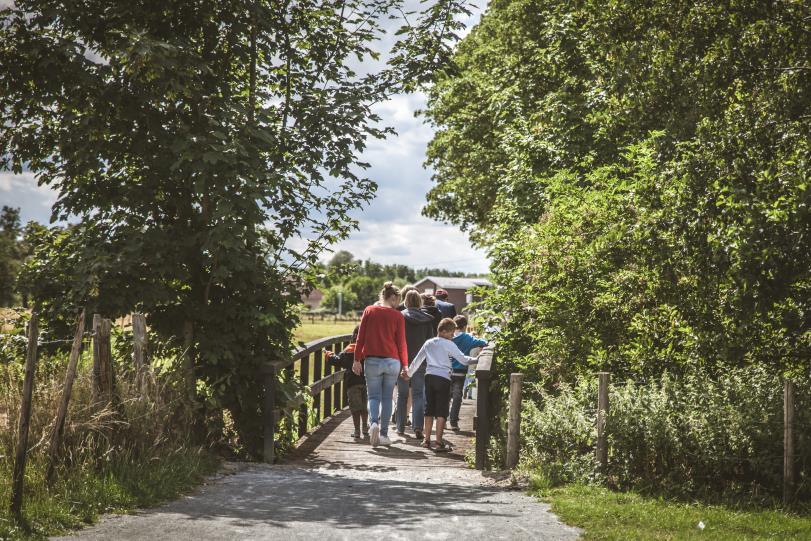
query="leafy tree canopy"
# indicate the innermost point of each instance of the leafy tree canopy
(193, 142)
(640, 175)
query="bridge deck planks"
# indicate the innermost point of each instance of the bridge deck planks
(331, 446)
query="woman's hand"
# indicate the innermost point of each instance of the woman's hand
(356, 367)
(404, 373)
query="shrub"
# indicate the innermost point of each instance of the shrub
(696, 434)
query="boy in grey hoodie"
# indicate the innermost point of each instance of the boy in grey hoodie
(437, 353)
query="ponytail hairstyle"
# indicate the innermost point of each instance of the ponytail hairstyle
(413, 299)
(389, 290)
(404, 292)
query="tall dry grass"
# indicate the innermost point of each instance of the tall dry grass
(134, 451)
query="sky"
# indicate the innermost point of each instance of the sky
(392, 229)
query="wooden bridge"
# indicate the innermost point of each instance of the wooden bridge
(308, 368)
(331, 486)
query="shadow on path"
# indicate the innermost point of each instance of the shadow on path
(308, 496)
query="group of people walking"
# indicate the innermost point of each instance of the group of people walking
(414, 342)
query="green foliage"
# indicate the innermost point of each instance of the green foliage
(118, 486)
(15, 247)
(365, 289)
(361, 281)
(639, 174)
(135, 452)
(192, 144)
(348, 299)
(608, 515)
(694, 435)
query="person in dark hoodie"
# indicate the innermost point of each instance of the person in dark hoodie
(448, 309)
(429, 307)
(355, 385)
(419, 327)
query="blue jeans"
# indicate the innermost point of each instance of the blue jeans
(417, 401)
(381, 377)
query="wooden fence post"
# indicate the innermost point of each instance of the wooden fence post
(62, 411)
(140, 344)
(514, 420)
(25, 418)
(788, 443)
(102, 360)
(269, 378)
(96, 387)
(189, 375)
(602, 418)
(318, 357)
(304, 379)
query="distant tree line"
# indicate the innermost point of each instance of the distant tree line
(358, 282)
(16, 245)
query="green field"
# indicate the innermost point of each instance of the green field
(321, 329)
(605, 514)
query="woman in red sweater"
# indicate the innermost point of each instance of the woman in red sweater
(382, 350)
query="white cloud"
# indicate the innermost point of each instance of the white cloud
(22, 191)
(418, 243)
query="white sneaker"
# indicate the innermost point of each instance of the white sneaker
(374, 434)
(384, 440)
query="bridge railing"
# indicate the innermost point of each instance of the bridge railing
(325, 384)
(310, 369)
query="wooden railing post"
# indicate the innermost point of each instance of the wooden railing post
(317, 361)
(327, 391)
(269, 381)
(602, 418)
(789, 469)
(18, 476)
(514, 421)
(315, 380)
(304, 378)
(62, 411)
(336, 395)
(482, 419)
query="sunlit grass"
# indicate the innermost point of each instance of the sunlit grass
(308, 331)
(609, 515)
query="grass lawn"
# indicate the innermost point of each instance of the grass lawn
(308, 332)
(80, 496)
(604, 514)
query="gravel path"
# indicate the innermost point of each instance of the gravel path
(338, 489)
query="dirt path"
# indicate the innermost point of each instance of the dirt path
(334, 488)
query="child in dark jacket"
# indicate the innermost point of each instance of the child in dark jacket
(355, 386)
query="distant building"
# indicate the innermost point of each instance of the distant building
(313, 300)
(457, 288)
